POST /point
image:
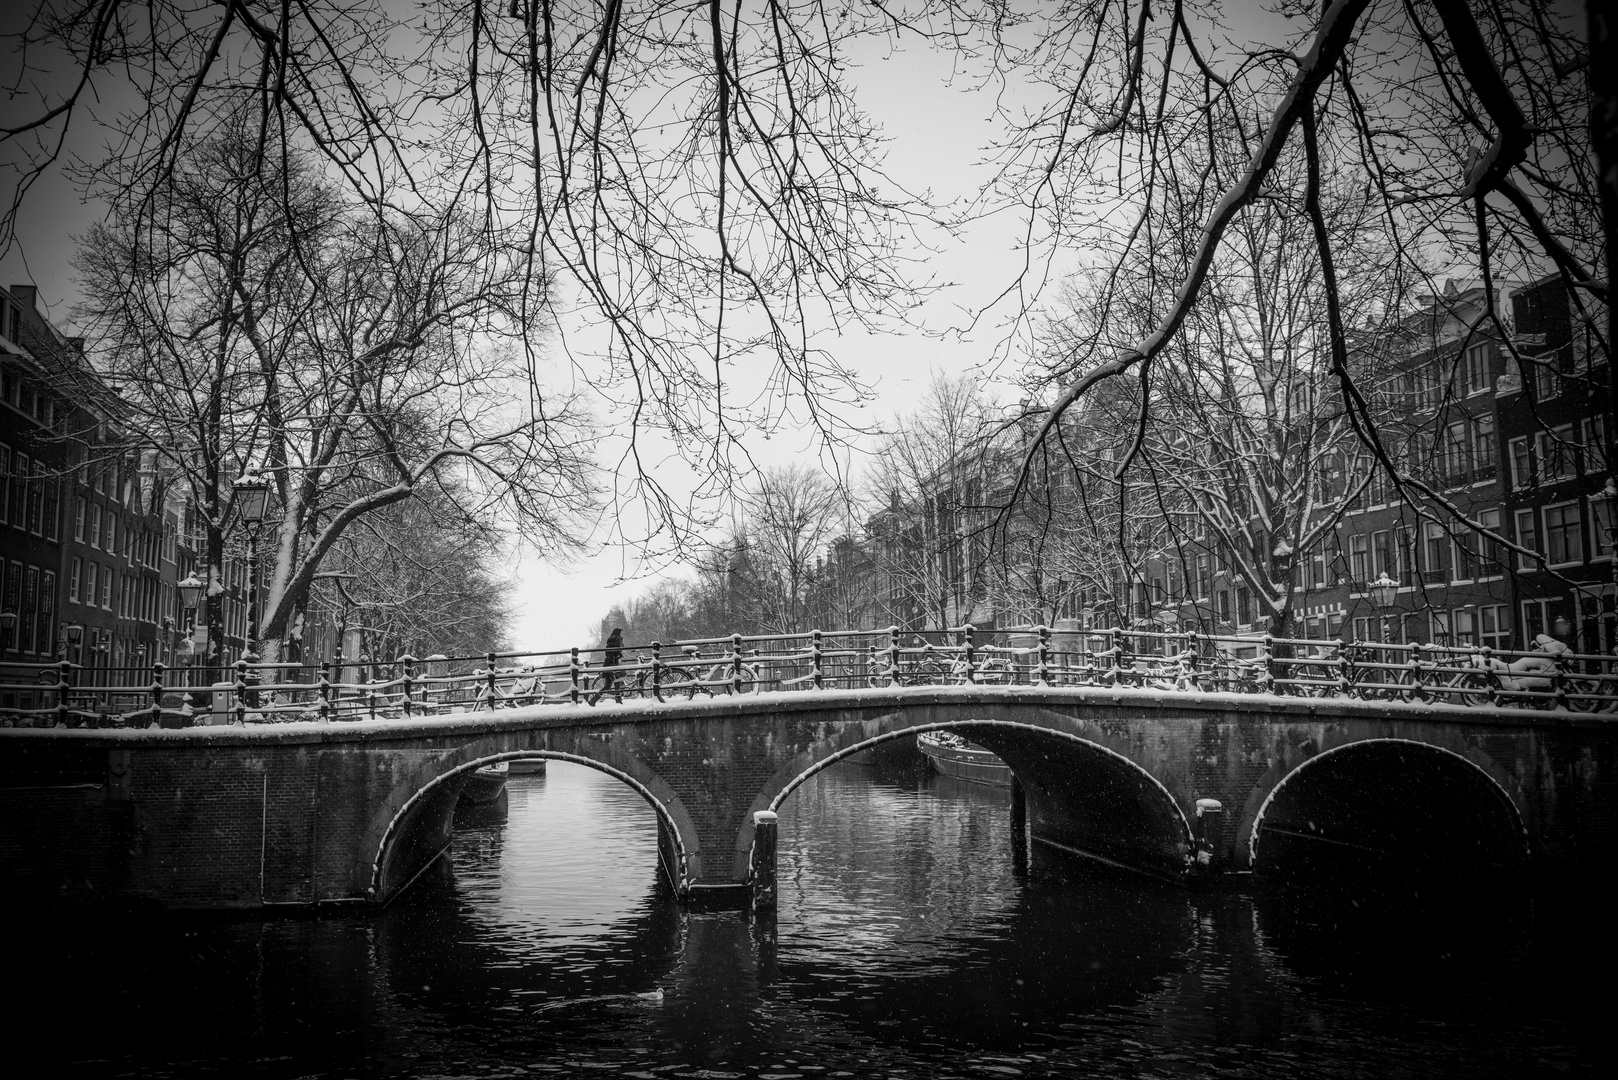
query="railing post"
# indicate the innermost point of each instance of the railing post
(970, 653)
(814, 658)
(325, 690)
(408, 664)
(1345, 670)
(63, 689)
(157, 693)
(573, 674)
(241, 692)
(1268, 649)
(370, 702)
(657, 670)
(1493, 676)
(1116, 636)
(1043, 671)
(736, 664)
(494, 687)
(1418, 671)
(1559, 682)
(893, 656)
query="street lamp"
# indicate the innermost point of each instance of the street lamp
(252, 500)
(1384, 592)
(75, 636)
(8, 626)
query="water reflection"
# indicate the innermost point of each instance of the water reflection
(905, 946)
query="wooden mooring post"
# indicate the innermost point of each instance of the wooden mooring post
(762, 867)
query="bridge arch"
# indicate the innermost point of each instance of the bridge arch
(413, 826)
(1390, 799)
(1091, 799)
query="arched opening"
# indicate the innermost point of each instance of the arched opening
(423, 827)
(1389, 808)
(1081, 797)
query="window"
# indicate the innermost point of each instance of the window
(1535, 619)
(19, 490)
(1595, 446)
(1362, 629)
(1224, 605)
(1244, 605)
(111, 546)
(106, 587)
(1556, 452)
(1204, 577)
(1476, 369)
(1457, 459)
(1435, 543)
(36, 499)
(5, 483)
(52, 511)
(1463, 627)
(1493, 554)
(1380, 560)
(1601, 528)
(1483, 451)
(1317, 570)
(78, 518)
(1522, 466)
(1405, 556)
(26, 641)
(47, 613)
(75, 575)
(1564, 535)
(1527, 537)
(95, 526)
(1438, 627)
(1547, 379)
(90, 583)
(1359, 560)
(1494, 629)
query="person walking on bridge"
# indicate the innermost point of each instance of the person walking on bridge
(611, 657)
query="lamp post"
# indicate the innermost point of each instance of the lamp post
(190, 588)
(8, 626)
(1384, 592)
(252, 500)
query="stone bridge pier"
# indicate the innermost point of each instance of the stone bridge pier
(310, 813)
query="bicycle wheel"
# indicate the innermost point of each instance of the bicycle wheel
(674, 681)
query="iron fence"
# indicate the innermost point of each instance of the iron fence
(1171, 662)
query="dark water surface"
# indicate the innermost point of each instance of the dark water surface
(905, 946)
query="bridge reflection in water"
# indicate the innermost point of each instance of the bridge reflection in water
(906, 944)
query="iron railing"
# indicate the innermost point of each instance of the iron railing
(1173, 662)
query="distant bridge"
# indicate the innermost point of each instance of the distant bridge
(1177, 784)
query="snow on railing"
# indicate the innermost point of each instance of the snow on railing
(61, 693)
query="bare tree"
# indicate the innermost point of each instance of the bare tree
(418, 577)
(926, 484)
(357, 360)
(706, 181)
(790, 514)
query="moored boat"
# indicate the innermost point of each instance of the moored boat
(951, 755)
(485, 784)
(530, 765)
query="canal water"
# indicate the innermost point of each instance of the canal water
(906, 945)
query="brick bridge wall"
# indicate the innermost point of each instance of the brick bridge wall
(305, 813)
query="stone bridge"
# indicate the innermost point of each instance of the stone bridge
(330, 813)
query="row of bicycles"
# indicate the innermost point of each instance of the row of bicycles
(1358, 670)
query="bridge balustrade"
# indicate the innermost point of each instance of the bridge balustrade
(62, 693)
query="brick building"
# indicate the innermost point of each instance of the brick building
(93, 537)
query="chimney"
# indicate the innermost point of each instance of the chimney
(26, 294)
